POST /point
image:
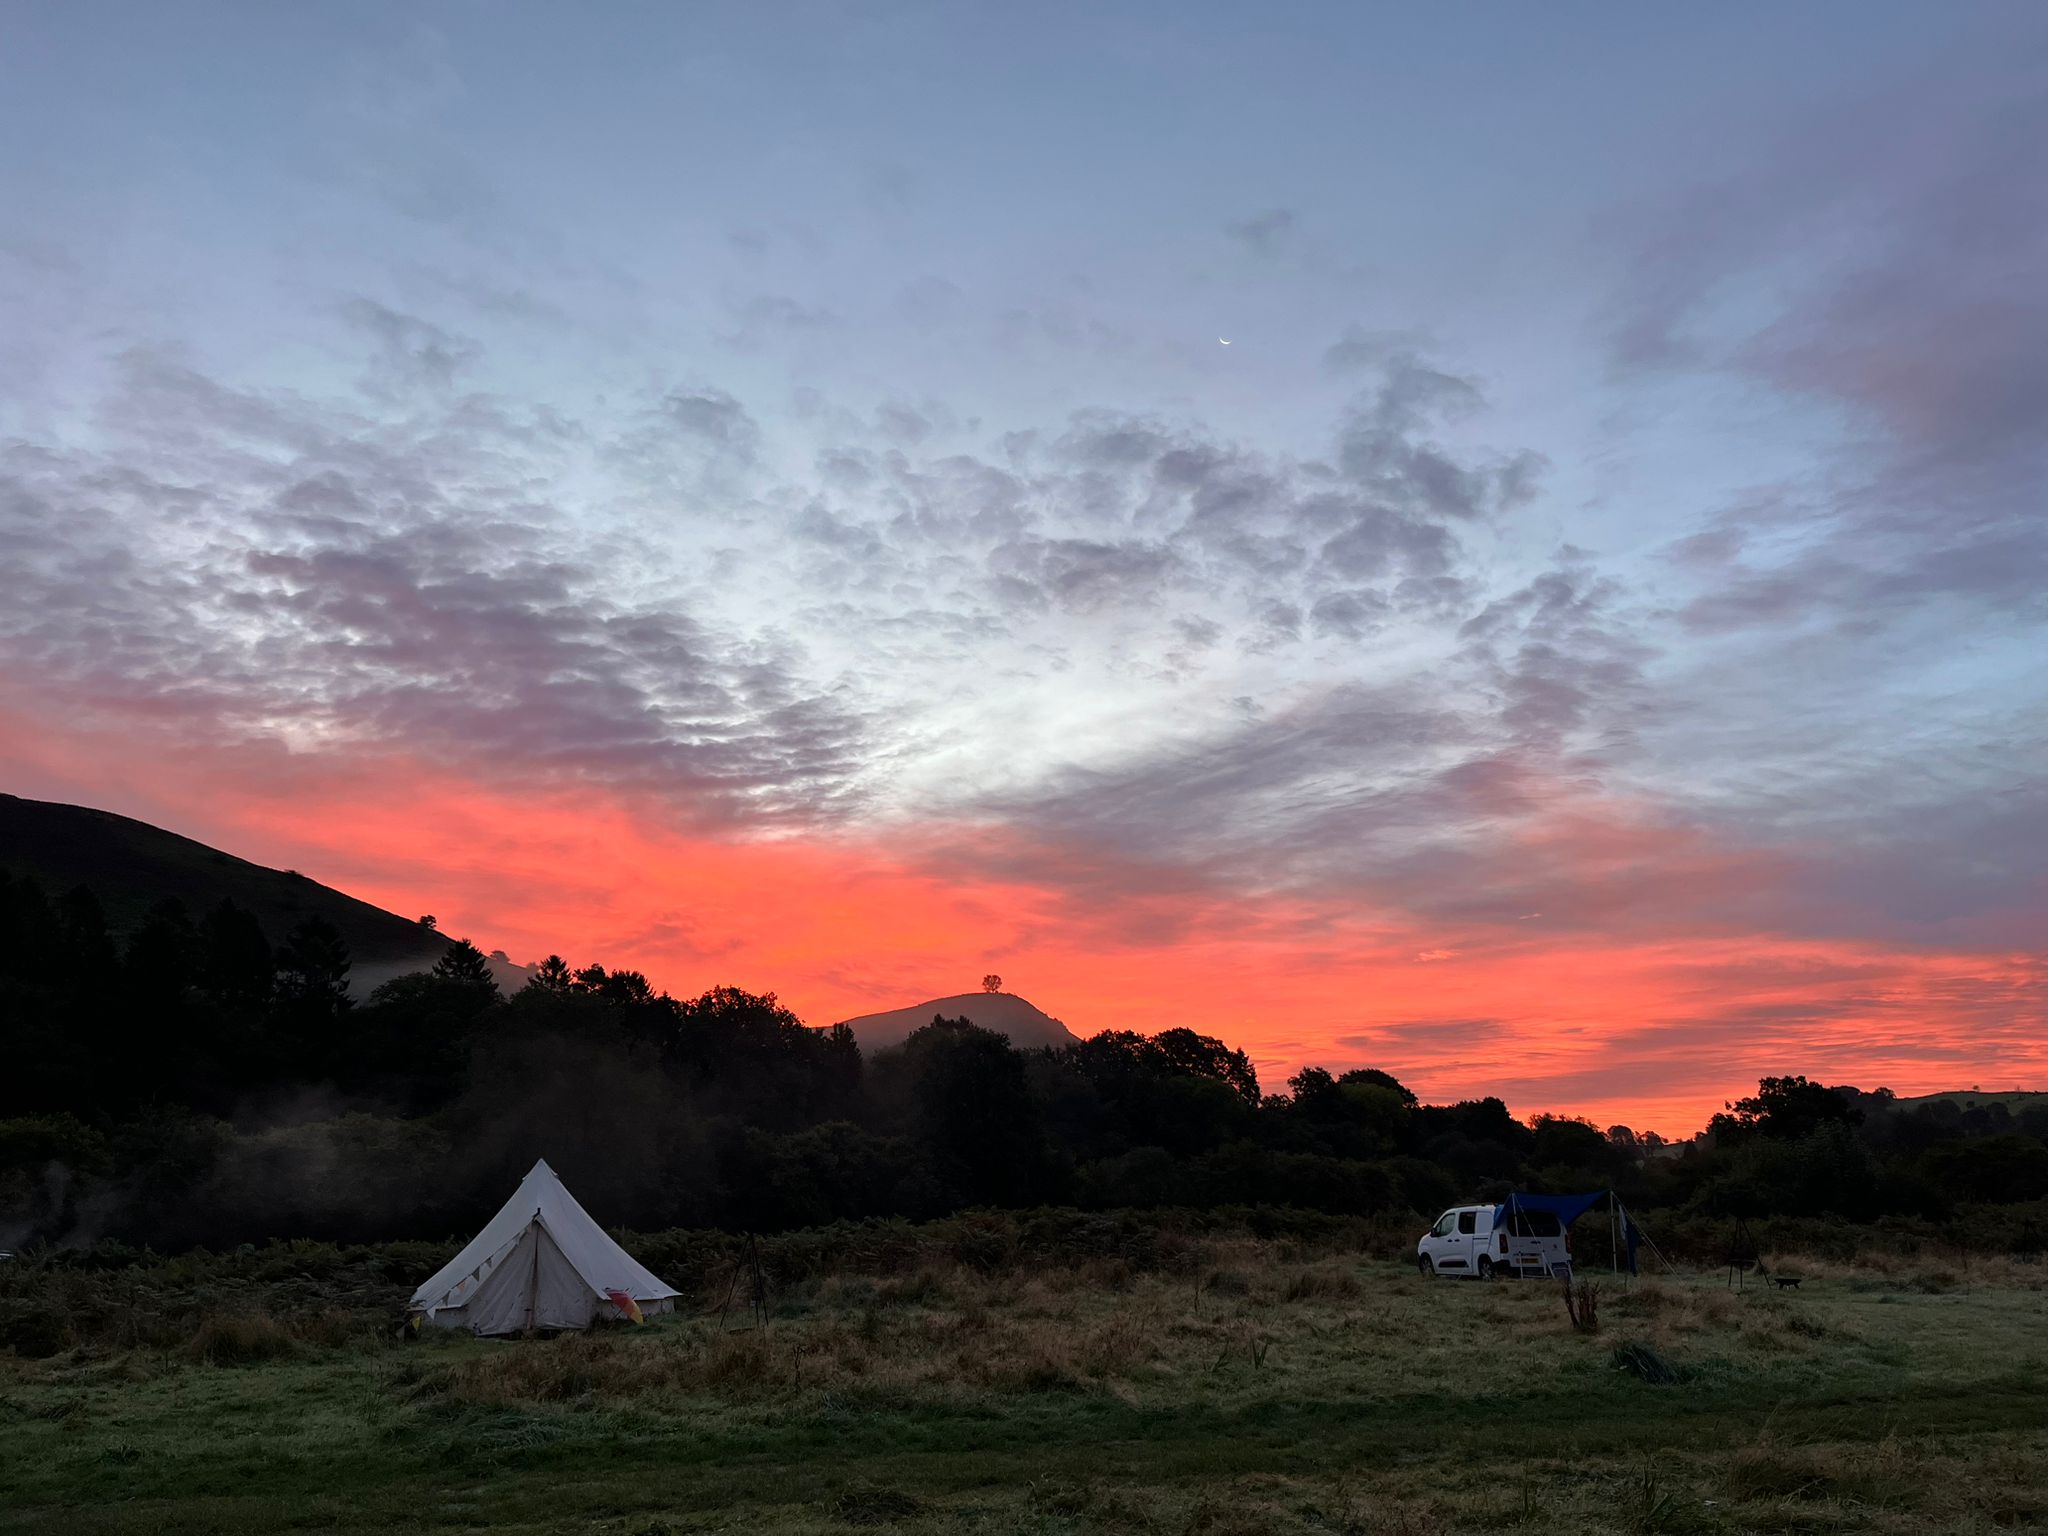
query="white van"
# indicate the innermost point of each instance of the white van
(1465, 1241)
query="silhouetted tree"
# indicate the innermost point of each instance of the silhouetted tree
(410, 1044)
(88, 946)
(751, 1056)
(235, 962)
(1184, 1051)
(552, 975)
(465, 964)
(991, 982)
(970, 1103)
(29, 936)
(1375, 1077)
(163, 955)
(613, 986)
(1572, 1146)
(313, 966)
(1357, 1115)
(1784, 1109)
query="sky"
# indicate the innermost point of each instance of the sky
(761, 494)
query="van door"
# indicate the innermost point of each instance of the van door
(1535, 1241)
(1436, 1246)
(1461, 1248)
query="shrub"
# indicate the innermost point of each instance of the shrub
(32, 1332)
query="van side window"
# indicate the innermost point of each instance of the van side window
(1444, 1223)
(1468, 1221)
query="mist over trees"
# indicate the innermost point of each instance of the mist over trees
(201, 1082)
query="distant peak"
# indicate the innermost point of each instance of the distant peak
(1004, 1013)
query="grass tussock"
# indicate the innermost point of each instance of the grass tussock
(240, 1338)
(1323, 1282)
(868, 1503)
(1887, 1475)
(1645, 1364)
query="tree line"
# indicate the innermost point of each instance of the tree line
(201, 1083)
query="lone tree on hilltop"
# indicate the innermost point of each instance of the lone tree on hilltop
(991, 982)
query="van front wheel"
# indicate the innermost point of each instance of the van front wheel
(1424, 1267)
(1485, 1268)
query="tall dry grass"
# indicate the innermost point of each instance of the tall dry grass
(934, 1332)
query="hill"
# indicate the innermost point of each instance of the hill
(1003, 1012)
(131, 866)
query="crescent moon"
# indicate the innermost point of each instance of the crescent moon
(1225, 343)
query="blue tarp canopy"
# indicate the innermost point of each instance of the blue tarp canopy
(1566, 1208)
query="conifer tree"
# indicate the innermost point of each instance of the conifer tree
(465, 963)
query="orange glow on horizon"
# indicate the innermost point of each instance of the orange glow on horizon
(1654, 1030)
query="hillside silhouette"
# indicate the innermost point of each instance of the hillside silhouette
(132, 867)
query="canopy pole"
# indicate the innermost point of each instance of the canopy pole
(1669, 1267)
(1644, 1232)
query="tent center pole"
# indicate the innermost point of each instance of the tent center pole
(533, 1274)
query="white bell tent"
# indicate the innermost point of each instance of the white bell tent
(541, 1263)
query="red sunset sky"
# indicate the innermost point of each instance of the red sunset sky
(1647, 1028)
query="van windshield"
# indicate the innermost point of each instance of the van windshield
(1533, 1224)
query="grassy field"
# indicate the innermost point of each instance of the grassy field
(1245, 1386)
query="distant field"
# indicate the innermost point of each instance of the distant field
(2014, 1100)
(1243, 1387)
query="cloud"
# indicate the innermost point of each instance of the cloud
(1086, 574)
(768, 317)
(1891, 258)
(713, 418)
(378, 592)
(1350, 615)
(1263, 233)
(410, 353)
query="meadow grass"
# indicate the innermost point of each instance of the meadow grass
(1255, 1386)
